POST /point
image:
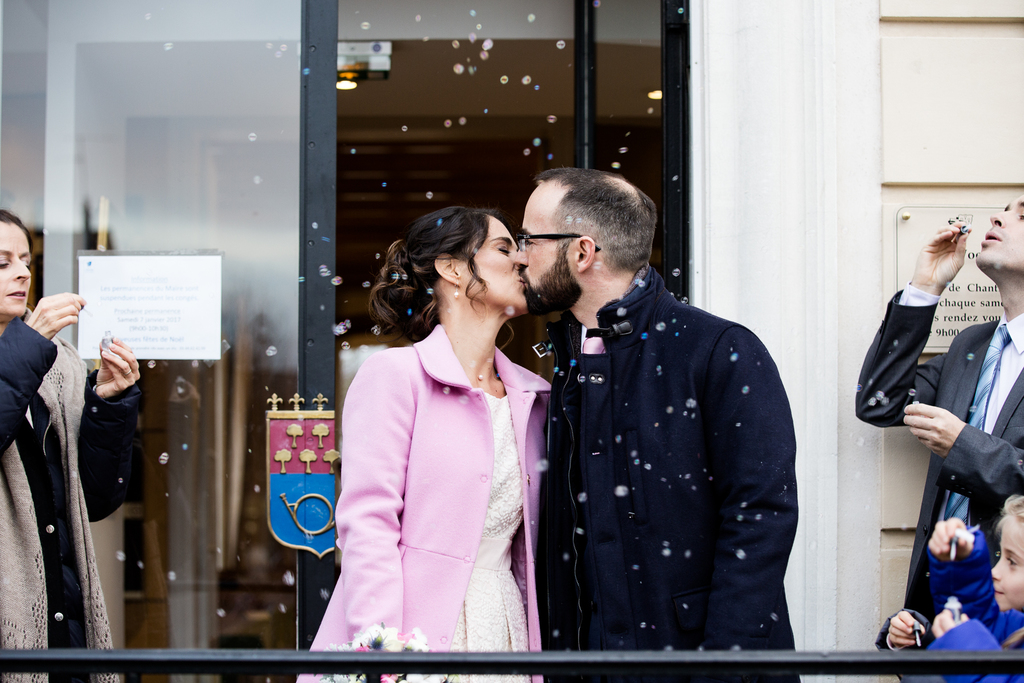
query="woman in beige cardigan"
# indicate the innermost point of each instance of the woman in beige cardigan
(65, 458)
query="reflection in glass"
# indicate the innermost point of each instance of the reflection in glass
(627, 131)
(171, 128)
(474, 105)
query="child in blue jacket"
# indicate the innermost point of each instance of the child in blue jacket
(991, 597)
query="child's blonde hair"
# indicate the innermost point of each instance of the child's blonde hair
(1012, 508)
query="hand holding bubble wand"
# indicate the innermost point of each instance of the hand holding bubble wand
(964, 220)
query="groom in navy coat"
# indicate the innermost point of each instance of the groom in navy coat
(670, 503)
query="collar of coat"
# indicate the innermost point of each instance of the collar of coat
(637, 306)
(439, 361)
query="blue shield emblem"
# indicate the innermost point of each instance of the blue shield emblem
(301, 462)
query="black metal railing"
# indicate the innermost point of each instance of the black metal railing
(632, 663)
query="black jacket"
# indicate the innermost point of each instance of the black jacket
(671, 501)
(104, 463)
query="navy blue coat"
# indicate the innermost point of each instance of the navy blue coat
(671, 501)
(104, 463)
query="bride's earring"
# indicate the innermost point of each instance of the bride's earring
(456, 290)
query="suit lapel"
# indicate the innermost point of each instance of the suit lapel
(969, 368)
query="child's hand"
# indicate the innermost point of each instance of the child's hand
(901, 630)
(942, 540)
(944, 622)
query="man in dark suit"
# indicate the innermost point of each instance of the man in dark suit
(670, 496)
(965, 405)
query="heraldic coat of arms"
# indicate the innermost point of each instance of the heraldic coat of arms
(301, 462)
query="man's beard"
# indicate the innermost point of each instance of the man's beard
(556, 291)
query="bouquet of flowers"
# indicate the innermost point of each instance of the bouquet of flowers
(379, 637)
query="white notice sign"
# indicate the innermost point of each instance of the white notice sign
(165, 306)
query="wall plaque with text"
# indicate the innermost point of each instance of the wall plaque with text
(971, 298)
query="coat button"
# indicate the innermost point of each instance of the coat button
(58, 616)
(49, 528)
(444, 639)
(467, 558)
(483, 478)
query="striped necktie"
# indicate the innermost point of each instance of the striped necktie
(957, 505)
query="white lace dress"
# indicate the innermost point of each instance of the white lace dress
(493, 618)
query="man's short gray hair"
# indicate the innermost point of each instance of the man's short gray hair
(609, 208)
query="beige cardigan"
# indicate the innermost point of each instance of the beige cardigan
(23, 610)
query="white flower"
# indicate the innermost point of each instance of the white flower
(418, 642)
(425, 678)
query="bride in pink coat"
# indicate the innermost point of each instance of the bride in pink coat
(442, 450)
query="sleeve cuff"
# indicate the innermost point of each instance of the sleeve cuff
(912, 296)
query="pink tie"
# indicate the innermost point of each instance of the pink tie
(593, 345)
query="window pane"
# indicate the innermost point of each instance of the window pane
(476, 102)
(164, 128)
(627, 131)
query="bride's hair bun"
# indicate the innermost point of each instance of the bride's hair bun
(402, 299)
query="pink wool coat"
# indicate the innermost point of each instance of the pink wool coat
(417, 457)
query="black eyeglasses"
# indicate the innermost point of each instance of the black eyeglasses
(525, 240)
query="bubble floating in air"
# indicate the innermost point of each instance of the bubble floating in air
(537, 142)
(560, 45)
(531, 18)
(120, 555)
(458, 68)
(504, 80)
(552, 118)
(488, 44)
(336, 280)
(288, 578)
(163, 458)
(455, 43)
(447, 123)
(484, 55)
(168, 46)
(616, 165)
(151, 364)
(430, 195)
(252, 137)
(462, 120)
(271, 350)
(526, 80)
(365, 26)
(405, 128)
(257, 180)
(526, 152)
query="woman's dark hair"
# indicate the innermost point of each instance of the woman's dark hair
(12, 218)
(403, 299)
